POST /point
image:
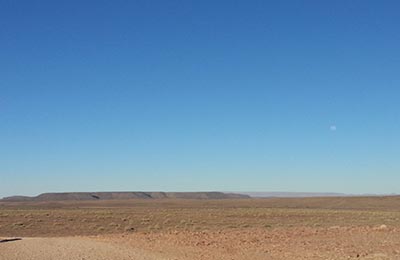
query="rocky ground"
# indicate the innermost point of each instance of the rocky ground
(289, 243)
(203, 230)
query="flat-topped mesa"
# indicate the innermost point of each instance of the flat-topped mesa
(79, 196)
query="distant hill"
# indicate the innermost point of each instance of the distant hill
(80, 196)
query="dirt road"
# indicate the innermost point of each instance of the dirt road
(69, 249)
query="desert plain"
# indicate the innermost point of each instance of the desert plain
(197, 229)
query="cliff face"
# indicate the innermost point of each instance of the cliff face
(79, 196)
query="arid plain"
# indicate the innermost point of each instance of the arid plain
(300, 228)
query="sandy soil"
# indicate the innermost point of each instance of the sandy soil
(72, 248)
(380, 243)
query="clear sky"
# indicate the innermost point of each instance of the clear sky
(199, 95)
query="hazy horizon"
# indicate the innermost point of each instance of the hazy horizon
(254, 194)
(199, 95)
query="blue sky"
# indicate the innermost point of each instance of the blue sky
(199, 95)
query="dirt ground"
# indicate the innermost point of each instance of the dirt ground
(316, 228)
